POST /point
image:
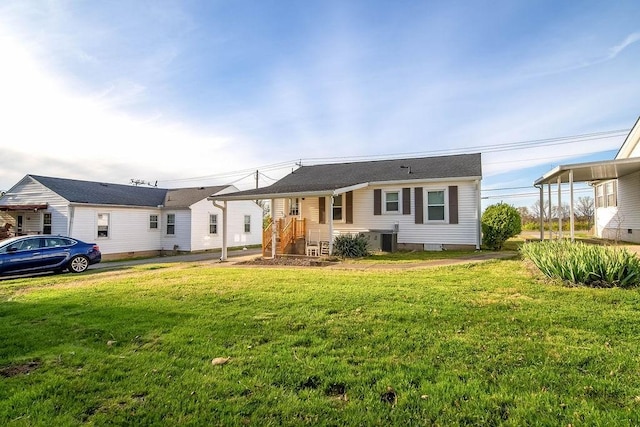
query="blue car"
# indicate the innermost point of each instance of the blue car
(31, 254)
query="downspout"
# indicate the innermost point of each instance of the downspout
(70, 221)
(223, 208)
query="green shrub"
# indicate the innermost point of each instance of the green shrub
(579, 263)
(349, 246)
(500, 222)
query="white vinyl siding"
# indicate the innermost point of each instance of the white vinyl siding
(463, 233)
(201, 239)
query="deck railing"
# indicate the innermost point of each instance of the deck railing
(287, 232)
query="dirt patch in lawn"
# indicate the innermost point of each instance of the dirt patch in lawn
(295, 261)
(23, 368)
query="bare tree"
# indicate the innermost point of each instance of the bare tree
(535, 211)
(585, 209)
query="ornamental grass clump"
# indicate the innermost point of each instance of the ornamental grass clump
(580, 263)
(348, 246)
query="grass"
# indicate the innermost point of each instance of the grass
(483, 344)
(402, 257)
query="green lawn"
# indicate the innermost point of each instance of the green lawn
(483, 344)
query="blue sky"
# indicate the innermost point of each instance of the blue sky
(204, 92)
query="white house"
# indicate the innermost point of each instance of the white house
(616, 186)
(429, 203)
(128, 221)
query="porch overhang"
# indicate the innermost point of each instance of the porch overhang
(33, 207)
(589, 172)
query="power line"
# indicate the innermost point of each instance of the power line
(489, 148)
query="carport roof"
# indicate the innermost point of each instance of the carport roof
(592, 171)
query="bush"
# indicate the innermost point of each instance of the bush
(348, 246)
(579, 263)
(500, 222)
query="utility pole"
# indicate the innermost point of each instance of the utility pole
(257, 175)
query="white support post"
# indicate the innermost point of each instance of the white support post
(541, 212)
(559, 208)
(331, 225)
(571, 213)
(549, 212)
(223, 208)
(274, 230)
(225, 233)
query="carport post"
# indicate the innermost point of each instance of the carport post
(541, 212)
(571, 214)
(549, 216)
(559, 207)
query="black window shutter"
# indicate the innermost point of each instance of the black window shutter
(377, 202)
(406, 201)
(419, 205)
(321, 210)
(349, 206)
(453, 204)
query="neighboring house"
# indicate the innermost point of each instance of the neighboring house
(616, 186)
(128, 220)
(430, 203)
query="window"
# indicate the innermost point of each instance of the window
(213, 224)
(247, 223)
(610, 192)
(46, 223)
(153, 222)
(337, 208)
(103, 225)
(392, 201)
(171, 224)
(600, 196)
(435, 205)
(294, 207)
(606, 195)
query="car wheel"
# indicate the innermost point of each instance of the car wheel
(78, 264)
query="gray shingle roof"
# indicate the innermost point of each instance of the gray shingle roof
(185, 197)
(328, 177)
(100, 193)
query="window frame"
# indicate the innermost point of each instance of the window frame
(156, 222)
(340, 207)
(294, 206)
(385, 202)
(46, 223)
(171, 223)
(610, 190)
(247, 224)
(213, 222)
(443, 205)
(103, 234)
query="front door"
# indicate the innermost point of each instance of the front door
(19, 225)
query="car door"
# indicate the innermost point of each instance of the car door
(55, 252)
(23, 255)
